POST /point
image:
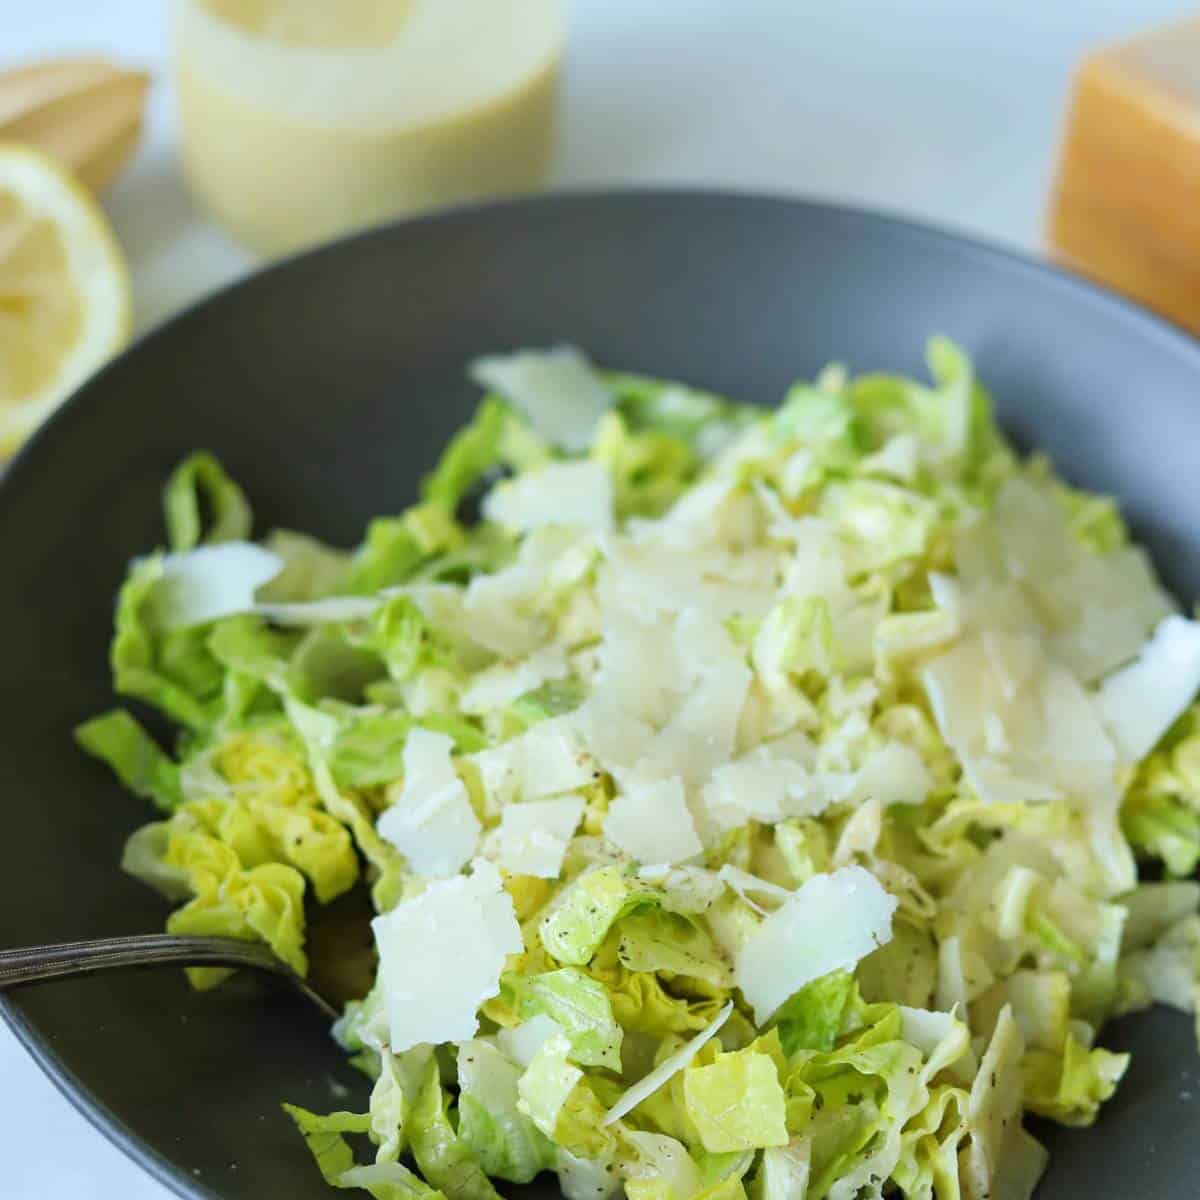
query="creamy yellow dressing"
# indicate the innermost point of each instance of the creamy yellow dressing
(302, 120)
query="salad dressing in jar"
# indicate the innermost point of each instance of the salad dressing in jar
(305, 119)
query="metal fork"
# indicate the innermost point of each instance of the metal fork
(39, 964)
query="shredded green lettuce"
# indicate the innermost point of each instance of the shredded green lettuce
(800, 764)
(579, 1005)
(202, 504)
(737, 1102)
(135, 758)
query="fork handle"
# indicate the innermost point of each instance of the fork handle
(39, 964)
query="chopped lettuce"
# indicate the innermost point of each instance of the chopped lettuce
(199, 493)
(578, 1005)
(324, 1135)
(505, 1142)
(134, 756)
(814, 1017)
(580, 921)
(441, 1152)
(751, 802)
(737, 1102)
(665, 1071)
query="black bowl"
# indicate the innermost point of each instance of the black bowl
(327, 385)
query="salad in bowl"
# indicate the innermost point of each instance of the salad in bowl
(752, 802)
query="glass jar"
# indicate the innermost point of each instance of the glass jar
(304, 119)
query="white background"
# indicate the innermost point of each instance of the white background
(947, 110)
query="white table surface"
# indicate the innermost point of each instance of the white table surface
(946, 110)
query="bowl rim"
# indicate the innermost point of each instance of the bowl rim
(1092, 292)
(1171, 337)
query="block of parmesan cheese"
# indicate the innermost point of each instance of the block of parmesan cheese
(1126, 202)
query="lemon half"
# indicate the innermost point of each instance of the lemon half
(64, 290)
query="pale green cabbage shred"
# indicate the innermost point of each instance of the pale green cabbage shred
(828, 712)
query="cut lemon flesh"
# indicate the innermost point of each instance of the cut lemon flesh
(64, 290)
